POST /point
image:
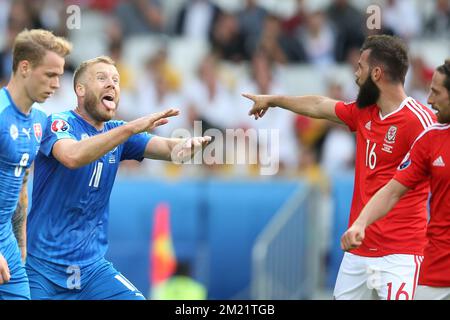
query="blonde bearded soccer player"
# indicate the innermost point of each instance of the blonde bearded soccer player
(386, 122)
(38, 63)
(427, 160)
(73, 178)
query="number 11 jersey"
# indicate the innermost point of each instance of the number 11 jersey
(68, 220)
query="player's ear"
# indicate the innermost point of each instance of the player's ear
(24, 68)
(80, 89)
(376, 73)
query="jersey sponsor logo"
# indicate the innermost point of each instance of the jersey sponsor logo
(439, 162)
(60, 125)
(27, 132)
(37, 132)
(369, 125)
(391, 134)
(14, 132)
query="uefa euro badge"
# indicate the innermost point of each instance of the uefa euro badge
(59, 125)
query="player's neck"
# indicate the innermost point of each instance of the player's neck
(86, 117)
(19, 96)
(391, 99)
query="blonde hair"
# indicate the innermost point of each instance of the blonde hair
(32, 45)
(81, 70)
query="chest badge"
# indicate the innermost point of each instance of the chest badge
(390, 135)
(14, 132)
(37, 132)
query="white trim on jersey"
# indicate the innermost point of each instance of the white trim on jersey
(419, 114)
(404, 102)
(423, 112)
(125, 282)
(435, 126)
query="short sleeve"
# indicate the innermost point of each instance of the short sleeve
(57, 128)
(414, 167)
(134, 147)
(348, 113)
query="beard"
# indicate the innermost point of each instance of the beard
(368, 94)
(90, 104)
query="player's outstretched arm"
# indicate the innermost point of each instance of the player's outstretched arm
(75, 154)
(377, 207)
(311, 106)
(19, 219)
(173, 149)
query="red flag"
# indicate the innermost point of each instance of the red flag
(162, 257)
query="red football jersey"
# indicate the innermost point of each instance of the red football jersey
(428, 160)
(381, 144)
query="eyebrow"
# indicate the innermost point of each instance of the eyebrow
(104, 73)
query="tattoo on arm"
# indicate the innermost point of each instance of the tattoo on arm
(20, 215)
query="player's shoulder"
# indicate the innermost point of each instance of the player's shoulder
(64, 115)
(437, 129)
(111, 124)
(432, 132)
(416, 112)
(5, 102)
(60, 122)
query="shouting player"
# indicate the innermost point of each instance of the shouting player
(73, 178)
(428, 159)
(38, 63)
(386, 122)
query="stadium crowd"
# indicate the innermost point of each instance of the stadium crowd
(223, 51)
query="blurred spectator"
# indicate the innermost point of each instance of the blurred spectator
(338, 148)
(6, 56)
(19, 18)
(438, 25)
(126, 74)
(418, 79)
(318, 40)
(227, 40)
(278, 46)
(297, 20)
(348, 24)
(103, 5)
(140, 17)
(196, 19)
(264, 81)
(158, 90)
(402, 17)
(52, 14)
(251, 22)
(208, 99)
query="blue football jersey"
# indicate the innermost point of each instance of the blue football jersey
(68, 220)
(20, 138)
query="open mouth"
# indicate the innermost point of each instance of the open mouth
(108, 102)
